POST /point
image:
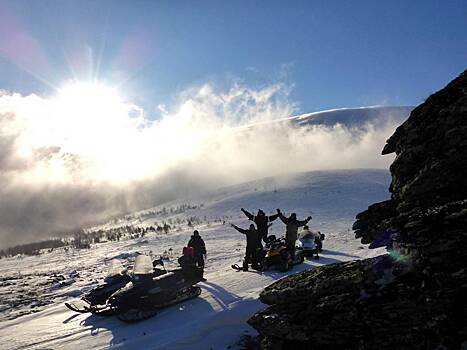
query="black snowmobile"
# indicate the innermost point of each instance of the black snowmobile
(140, 296)
(95, 301)
(146, 294)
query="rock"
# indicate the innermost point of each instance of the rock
(414, 297)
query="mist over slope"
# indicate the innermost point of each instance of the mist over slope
(49, 191)
(332, 197)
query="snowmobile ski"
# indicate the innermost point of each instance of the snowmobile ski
(78, 307)
(82, 308)
(237, 267)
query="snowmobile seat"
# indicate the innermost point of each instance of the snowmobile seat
(166, 280)
(172, 279)
(188, 251)
(168, 275)
(117, 278)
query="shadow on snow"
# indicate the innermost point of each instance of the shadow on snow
(159, 329)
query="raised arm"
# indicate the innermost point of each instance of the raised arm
(239, 229)
(273, 217)
(248, 214)
(283, 218)
(303, 222)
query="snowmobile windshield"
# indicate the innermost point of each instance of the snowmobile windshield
(308, 236)
(115, 268)
(143, 265)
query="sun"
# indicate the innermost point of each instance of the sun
(90, 97)
(95, 122)
(84, 111)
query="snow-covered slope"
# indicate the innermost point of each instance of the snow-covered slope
(356, 117)
(215, 320)
(352, 117)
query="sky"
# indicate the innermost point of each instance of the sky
(332, 53)
(107, 107)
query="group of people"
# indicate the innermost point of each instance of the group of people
(255, 235)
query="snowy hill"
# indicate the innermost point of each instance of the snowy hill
(356, 117)
(37, 286)
(352, 117)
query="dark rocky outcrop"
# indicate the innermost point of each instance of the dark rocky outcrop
(416, 296)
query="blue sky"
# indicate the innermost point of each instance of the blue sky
(335, 53)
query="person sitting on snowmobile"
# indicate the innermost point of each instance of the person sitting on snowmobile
(190, 264)
(199, 248)
(262, 222)
(292, 225)
(253, 245)
(316, 236)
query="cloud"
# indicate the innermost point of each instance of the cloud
(67, 163)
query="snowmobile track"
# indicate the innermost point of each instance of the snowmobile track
(136, 315)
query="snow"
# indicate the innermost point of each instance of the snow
(350, 117)
(216, 319)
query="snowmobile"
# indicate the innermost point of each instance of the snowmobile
(276, 254)
(117, 277)
(95, 300)
(310, 244)
(146, 294)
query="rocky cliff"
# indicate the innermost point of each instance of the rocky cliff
(415, 297)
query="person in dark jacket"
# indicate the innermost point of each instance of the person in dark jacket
(262, 222)
(291, 231)
(253, 245)
(199, 248)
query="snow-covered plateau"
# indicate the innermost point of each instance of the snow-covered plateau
(34, 288)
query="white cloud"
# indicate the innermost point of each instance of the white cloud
(53, 148)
